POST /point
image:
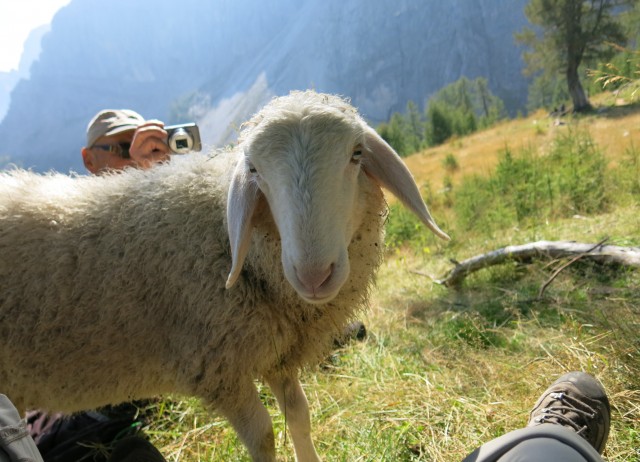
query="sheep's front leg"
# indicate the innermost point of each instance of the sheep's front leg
(293, 403)
(251, 421)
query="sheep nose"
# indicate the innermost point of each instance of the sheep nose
(313, 278)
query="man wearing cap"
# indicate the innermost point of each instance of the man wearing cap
(120, 138)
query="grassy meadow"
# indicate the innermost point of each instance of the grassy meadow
(444, 370)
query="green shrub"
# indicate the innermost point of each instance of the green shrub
(626, 177)
(580, 176)
(475, 207)
(525, 189)
(402, 226)
(450, 163)
(520, 183)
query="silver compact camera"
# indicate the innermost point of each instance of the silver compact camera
(183, 138)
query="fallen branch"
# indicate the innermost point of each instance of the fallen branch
(626, 256)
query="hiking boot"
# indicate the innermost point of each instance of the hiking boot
(576, 401)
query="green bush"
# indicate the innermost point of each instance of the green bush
(525, 189)
(578, 169)
(626, 184)
(450, 163)
(403, 227)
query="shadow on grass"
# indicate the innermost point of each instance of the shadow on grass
(486, 310)
(617, 112)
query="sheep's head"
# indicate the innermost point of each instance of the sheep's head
(305, 154)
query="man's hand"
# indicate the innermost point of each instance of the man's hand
(149, 144)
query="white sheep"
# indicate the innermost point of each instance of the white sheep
(135, 284)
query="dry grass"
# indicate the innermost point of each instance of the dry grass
(614, 128)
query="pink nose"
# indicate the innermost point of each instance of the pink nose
(313, 278)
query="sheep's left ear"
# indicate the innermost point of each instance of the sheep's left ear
(241, 205)
(386, 167)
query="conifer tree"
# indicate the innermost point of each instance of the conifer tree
(569, 33)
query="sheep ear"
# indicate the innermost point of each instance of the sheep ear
(241, 205)
(386, 167)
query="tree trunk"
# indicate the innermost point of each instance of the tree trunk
(580, 101)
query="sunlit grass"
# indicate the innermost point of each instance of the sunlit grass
(443, 371)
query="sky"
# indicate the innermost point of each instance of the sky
(17, 19)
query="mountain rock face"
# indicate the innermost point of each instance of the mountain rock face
(8, 80)
(217, 62)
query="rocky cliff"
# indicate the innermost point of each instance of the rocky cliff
(216, 62)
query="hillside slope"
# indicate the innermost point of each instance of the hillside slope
(614, 128)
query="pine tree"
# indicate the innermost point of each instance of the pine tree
(439, 128)
(461, 108)
(569, 33)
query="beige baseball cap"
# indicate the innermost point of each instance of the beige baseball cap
(112, 121)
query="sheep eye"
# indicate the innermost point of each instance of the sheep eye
(356, 156)
(251, 168)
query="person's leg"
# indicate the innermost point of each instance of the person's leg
(570, 422)
(544, 443)
(548, 449)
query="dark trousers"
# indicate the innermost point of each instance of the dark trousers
(542, 443)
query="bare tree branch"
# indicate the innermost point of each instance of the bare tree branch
(627, 256)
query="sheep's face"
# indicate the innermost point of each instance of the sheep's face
(307, 163)
(308, 168)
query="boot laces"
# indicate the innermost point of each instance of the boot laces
(563, 409)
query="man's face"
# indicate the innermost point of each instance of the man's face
(100, 158)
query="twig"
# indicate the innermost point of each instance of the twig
(570, 262)
(422, 273)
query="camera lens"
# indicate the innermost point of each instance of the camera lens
(180, 141)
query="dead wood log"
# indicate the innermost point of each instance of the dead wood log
(626, 256)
